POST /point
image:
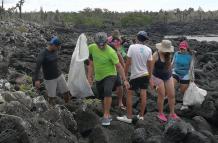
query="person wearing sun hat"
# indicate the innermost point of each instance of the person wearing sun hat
(182, 66)
(162, 78)
(115, 42)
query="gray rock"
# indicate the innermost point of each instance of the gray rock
(176, 131)
(117, 132)
(196, 137)
(99, 135)
(151, 125)
(40, 104)
(86, 121)
(201, 124)
(139, 136)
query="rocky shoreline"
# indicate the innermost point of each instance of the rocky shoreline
(27, 118)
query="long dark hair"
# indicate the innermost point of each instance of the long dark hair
(167, 57)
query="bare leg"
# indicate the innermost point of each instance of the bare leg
(67, 97)
(119, 92)
(183, 88)
(143, 96)
(51, 101)
(169, 85)
(160, 98)
(129, 104)
(107, 106)
(175, 82)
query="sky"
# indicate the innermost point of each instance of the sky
(114, 5)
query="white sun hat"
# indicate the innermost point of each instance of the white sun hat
(165, 46)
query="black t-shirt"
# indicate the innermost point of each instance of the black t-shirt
(49, 62)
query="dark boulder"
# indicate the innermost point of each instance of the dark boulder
(86, 121)
(139, 136)
(176, 131)
(196, 137)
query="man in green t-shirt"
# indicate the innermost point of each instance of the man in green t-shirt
(103, 59)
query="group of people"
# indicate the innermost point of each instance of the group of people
(111, 66)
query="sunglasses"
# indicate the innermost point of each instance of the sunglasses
(101, 44)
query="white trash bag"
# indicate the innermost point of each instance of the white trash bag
(194, 95)
(77, 82)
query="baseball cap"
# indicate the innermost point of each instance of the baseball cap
(55, 41)
(101, 38)
(142, 35)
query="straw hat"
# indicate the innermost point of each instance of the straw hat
(165, 46)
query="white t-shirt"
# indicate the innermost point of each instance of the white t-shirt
(139, 55)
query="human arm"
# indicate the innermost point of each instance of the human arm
(121, 59)
(122, 74)
(120, 69)
(191, 69)
(90, 72)
(128, 64)
(151, 68)
(150, 64)
(39, 62)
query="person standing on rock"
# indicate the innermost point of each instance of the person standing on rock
(182, 68)
(104, 60)
(139, 57)
(115, 42)
(54, 80)
(162, 78)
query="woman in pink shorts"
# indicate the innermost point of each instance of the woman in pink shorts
(162, 78)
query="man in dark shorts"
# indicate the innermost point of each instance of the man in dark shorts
(104, 61)
(139, 57)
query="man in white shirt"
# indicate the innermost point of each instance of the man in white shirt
(139, 58)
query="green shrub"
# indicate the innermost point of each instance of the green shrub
(91, 101)
(22, 29)
(27, 86)
(136, 19)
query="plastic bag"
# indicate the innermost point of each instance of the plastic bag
(77, 81)
(194, 95)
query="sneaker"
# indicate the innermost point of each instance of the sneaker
(124, 119)
(184, 107)
(110, 118)
(174, 116)
(162, 117)
(140, 117)
(105, 122)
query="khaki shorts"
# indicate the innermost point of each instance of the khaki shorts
(58, 85)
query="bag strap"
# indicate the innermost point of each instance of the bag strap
(192, 70)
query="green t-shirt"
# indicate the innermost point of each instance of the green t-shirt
(104, 61)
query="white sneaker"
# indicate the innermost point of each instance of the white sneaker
(140, 117)
(184, 107)
(124, 119)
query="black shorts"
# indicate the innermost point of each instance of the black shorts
(117, 83)
(180, 80)
(105, 86)
(139, 83)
